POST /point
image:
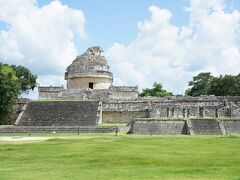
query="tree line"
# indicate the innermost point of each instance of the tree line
(206, 84)
(202, 84)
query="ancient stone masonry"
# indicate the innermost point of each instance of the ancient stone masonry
(90, 70)
(60, 113)
(58, 129)
(185, 126)
(49, 92)
(163, 127)
(89, 79)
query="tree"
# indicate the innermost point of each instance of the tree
(14, 80)
(206, 84)
(200, 85)
(225, 85)
(26, 79)
(9, 90)
(156, 91)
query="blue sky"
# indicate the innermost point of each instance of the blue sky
(111, 21)
(145, 41)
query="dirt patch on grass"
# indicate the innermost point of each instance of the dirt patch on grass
(17, 139)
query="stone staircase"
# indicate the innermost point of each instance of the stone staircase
(60, 113)
(205, 126)
(58, 129)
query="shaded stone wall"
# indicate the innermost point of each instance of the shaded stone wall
(206, 126)
(162, 127)
(231, 126)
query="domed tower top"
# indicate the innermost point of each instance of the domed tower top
(89, 70)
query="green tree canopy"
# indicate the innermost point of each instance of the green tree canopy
(227, 85)
(9, 89)
(14, 80)
(206, 84)
(27, 80)
(156, 91)
(200, 85)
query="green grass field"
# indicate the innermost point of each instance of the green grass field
(105, 156)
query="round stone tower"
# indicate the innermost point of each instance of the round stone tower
(90, 70)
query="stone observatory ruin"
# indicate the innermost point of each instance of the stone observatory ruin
(89, 71)
(90, 99)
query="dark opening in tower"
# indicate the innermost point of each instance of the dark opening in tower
(90, 85)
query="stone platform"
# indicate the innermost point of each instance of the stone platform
(185, 126)
(58, 129)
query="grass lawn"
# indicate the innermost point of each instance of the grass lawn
(105, 156)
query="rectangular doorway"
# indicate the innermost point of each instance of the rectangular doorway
(90, 85)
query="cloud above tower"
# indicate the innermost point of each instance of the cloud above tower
(172, 54)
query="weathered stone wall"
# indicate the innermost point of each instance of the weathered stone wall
(49, 92)
(162, 127)
(85, 94)
(60, 113)
(123, 95)
(185, 126)
(121, 104)
(115, 105)
(169, 107)
(183, 108)
(123, 116)
(124, 111)
(123, 92)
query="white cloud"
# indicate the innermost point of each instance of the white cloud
(172, 54)
(40, 38)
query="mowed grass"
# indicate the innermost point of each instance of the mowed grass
(105, 156)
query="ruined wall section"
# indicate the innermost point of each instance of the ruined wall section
(184, 108)
(125, 110)
(123, 92)
(85, 94)
(50, 92)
